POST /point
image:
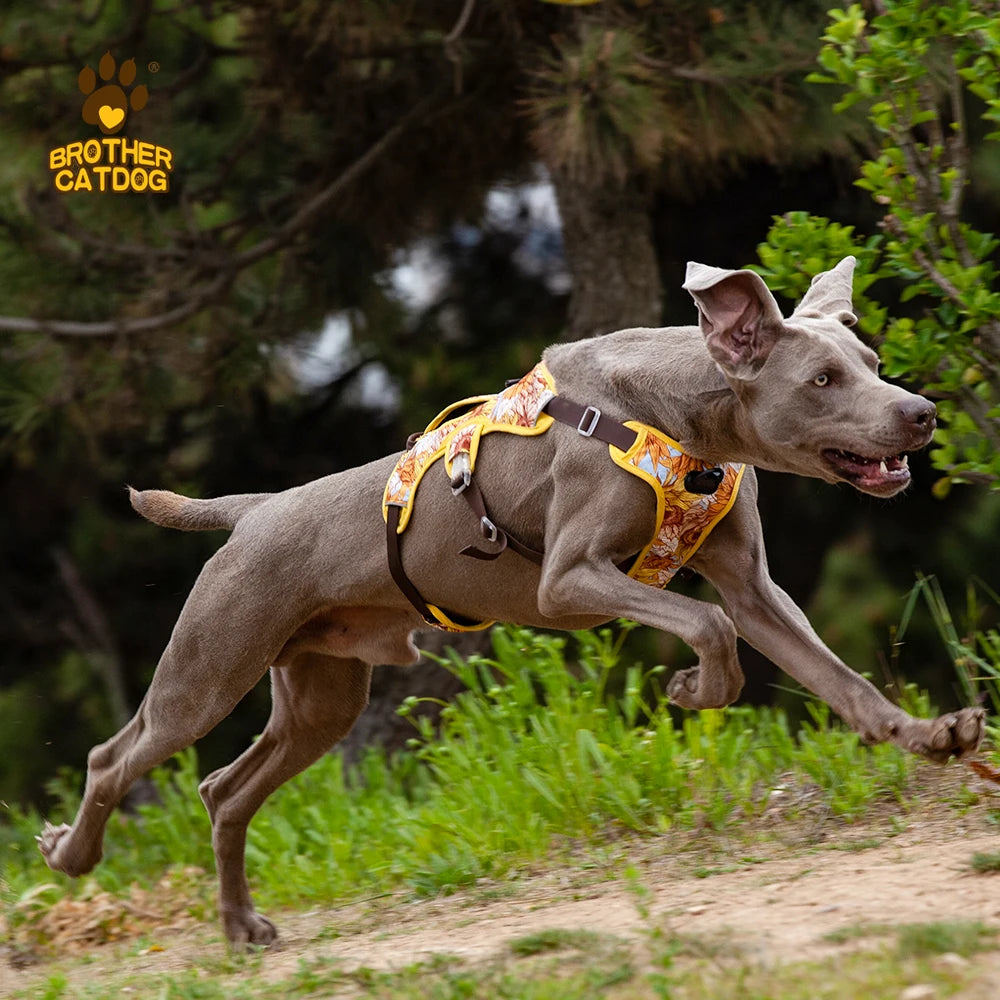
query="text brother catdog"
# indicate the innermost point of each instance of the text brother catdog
(111, 164)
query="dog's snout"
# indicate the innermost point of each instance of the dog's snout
(918, 411)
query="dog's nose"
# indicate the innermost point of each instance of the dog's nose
(918, 411)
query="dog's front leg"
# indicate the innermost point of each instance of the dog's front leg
(573, 587)
(765, 616)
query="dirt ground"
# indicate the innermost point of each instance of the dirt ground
(776, 896)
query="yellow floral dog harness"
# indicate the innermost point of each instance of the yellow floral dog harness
(517, 410)
(692, 496)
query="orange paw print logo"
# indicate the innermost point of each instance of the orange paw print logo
(108, 105)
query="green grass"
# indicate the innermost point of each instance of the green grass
(959, 937)
(553, 939)
(556, 749)
(858, 932)
(555, 743)
(974, 651)
(533, 752)
(985, 862)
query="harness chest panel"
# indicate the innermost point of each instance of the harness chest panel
(684, 519)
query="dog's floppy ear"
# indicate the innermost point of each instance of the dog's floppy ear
(829, 295)
(738, 316)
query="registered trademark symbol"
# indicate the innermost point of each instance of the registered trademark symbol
(153, 67)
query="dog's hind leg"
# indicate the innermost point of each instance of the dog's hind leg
(315, 701)
(221, 646)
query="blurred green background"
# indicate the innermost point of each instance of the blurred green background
(377, 207)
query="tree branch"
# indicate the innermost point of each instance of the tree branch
(225, 271)
(979, 410)
(705, 74)
(117, 327)
(460, 25)
(988, 330)
(958, 155)
(318, 202)
(451, 47)
(95, 640)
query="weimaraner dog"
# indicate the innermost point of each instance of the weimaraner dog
(303, 586)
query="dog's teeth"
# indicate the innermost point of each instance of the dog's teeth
(882, 468)
(905, 461)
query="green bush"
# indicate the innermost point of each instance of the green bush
(915, 67)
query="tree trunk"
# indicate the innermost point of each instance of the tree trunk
(608, 242)
(379, 724)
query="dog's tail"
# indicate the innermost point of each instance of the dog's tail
(171, 510)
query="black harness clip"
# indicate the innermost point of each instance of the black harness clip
(703, 480)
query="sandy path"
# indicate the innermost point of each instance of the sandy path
(777, 910)
(778, 907)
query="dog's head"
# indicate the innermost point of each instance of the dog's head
(808, 387)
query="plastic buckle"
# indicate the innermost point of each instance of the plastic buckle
(593, 414)
(489, 529)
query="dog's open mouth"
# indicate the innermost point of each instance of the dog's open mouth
(877, 475)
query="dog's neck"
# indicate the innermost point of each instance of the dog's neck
(680, 391)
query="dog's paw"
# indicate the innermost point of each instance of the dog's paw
(49, 839)
(51, 842)
(951, 735)
(682, 688)
(248, 927)
(60, 853)
(687, 688)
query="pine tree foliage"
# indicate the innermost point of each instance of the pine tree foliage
(682, 91)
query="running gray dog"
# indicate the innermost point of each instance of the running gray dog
(614, 462)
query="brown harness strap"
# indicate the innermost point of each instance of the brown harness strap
(396, 566)
(590, 422)
(473, 495)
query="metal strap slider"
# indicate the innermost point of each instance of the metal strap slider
(589, 417)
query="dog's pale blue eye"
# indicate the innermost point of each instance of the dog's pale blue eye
(822, 379)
